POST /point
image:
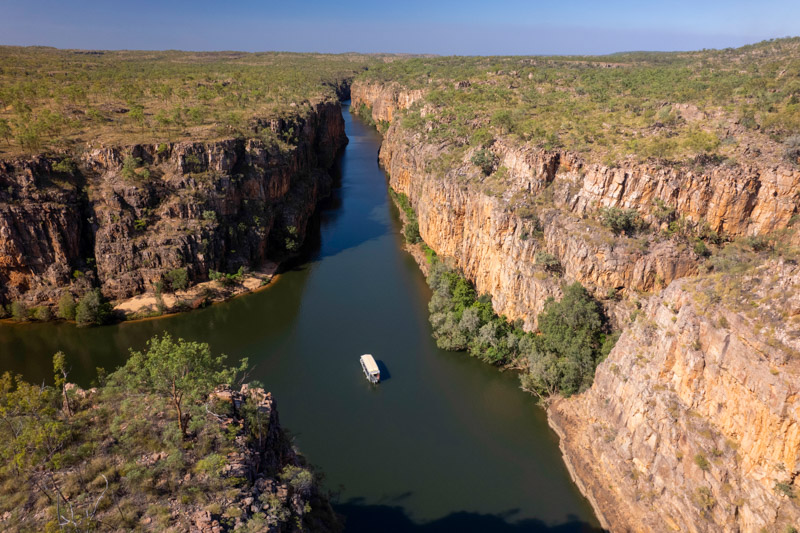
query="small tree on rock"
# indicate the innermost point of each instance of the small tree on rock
(181, 372)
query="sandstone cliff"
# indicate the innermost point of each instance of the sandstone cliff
(678, 385)
(129, 214)
(477, 220)
(693, 421)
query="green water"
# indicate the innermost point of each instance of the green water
(444, 443)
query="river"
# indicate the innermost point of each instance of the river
(444, 443)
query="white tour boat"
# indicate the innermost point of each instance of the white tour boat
(370, 367)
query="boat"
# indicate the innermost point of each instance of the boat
(370, 368)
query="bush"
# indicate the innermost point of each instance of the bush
(42, 313)
(791, 151)
(178, 279)
(66, 306)
(66, 165)
(463, 321)
(620, 220)
(129, 166)
(701, 462)
(701, 249)
(226, 280)
(485, 160)
(411, 232)
(18, 311)
(92, 310)
(548, 261)
(562, 358)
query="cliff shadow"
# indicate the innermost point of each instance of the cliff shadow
(360, 517)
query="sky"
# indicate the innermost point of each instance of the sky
(463, 27)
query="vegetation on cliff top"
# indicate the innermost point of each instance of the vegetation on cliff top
(664, 106)
(150, 448)
(56, 99)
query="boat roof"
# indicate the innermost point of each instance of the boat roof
(369, 363)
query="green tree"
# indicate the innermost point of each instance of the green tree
(181, 372)
(92, 310)
(60, 378)
(137, 115)
(485, 160)
(5, 130)
(563, 356)
(620, 220)
(19, 311)
(66, 306)
(178, 279)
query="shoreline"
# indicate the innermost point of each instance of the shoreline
(144, 306)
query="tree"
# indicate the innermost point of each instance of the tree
(5, 130)
(19, 311)
(181, 372)
(66, 306)
(60, 378)
(620, 220)
(137, 114)
(92, 310)
(485, 160)
(563, 357)
(178, 279)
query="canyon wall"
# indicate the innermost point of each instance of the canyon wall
(693, 421)
(677, 385)
(201, 206)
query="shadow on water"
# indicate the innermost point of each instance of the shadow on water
(393, 519)
(384, 370)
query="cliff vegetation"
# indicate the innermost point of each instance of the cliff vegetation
(171, 440)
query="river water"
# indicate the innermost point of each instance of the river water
(444, 443)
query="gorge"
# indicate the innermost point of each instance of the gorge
(675, 206)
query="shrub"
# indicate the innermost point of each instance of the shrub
(620, 220)
(292, 242)
(129, 166)
(66, 306)
(485, 160)
(701, 462)
(19, 311)
(411, 232)
(662, 212)
(704, 499)
(701, 249)
(211, 465)
(226, 280)
(178, 279)
(42, 313)
(791, 151)
(548, 261)
(92, 309)
(66, 165)
(563, 356)
(785, 489)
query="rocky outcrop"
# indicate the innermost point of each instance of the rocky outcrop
(264, 458)
(385, 100)
(199, 206)
(693, 421)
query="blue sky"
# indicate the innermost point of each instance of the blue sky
(441, 27)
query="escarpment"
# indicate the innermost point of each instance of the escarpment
(488, 225)
(121, 217)
(692, 421)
